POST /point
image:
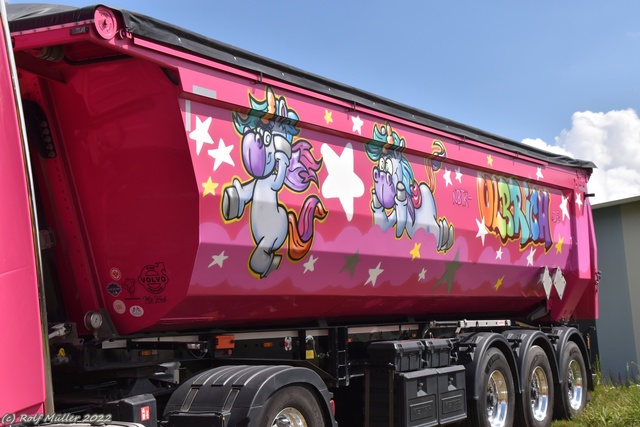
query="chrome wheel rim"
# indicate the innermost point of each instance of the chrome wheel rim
(289, 417)
(497, 399)
(574, 385)
(539, 394)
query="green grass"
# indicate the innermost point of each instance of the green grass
(617, 406)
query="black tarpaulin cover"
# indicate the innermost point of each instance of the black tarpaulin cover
(29, 16)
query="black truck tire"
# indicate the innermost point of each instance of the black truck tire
(536, 405)
(495, 406)
(572, 397)
(295, 406)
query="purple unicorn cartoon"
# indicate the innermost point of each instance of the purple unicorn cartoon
(397, 199)
(273, 160)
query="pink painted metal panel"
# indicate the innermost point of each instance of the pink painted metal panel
(21, 364)
(228, 199)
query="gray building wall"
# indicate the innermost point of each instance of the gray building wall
(617, 226)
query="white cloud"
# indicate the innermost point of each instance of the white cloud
(614, 184)
(538, 143)
(612, 141)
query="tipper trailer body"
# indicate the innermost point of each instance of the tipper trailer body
(190, 216)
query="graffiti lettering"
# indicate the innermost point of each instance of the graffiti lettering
(513, 210)
(461, 198)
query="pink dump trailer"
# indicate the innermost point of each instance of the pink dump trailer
(203, 205)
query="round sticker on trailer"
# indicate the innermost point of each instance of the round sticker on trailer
(119, 307)
(115, 273)
(136, 311)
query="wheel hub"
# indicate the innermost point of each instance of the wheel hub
(289, 417)
(574, 385)
(539, 393)
(497, 399)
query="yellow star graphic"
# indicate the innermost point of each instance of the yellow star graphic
(327, 116)
(498, 283)
(559, 244)
(490, 160)
(209, 187)
(415, 252)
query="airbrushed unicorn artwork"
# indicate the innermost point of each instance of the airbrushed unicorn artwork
(274, 158)
(398, 200)
(360, 203)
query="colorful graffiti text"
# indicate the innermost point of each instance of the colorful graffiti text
(513, 210)
(461, 197)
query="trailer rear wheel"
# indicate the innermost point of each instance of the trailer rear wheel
(495, 406)
(537, 397)
(292, 406)
(573, 396)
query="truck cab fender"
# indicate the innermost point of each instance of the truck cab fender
(472, 347)
(563, 335)
(238, 393)
(522, 340)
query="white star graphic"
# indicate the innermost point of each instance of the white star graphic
(201, 134)
(373, 274)
(218, 259)
(357, 124)
(222, 154)
(532, 252)
(499, 253)
(579, 200)
(422, 274)
(458, 175)
(447, 177)
(310, 265)
(482, 230)
(539, 173)
(341, 183)
(563, 207)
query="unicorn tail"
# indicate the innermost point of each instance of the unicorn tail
(301, 229)
(433, 165)
(431, 175)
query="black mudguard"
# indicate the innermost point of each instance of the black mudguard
(238, 393)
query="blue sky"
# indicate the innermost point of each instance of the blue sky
(561, 75)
